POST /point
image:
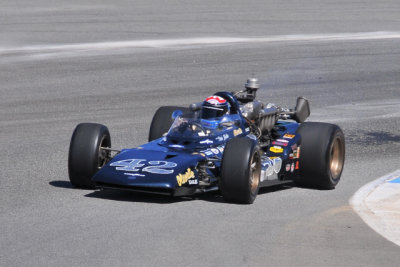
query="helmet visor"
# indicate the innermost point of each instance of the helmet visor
(211, 112)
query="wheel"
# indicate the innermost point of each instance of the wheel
(85, 154)
(322, 154)
(162, 121)
(241, 170)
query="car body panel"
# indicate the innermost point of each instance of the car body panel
(188, 158)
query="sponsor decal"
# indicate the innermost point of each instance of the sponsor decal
(279, 143)
(287, 167)
(292, 167)
(136, 165)
(193, 181)
(296, 152)
(282, 140)
(222, 138)
(247, 130)
(184, 178)
(134, 175)
(197, 153)
(207, 152)
(297, 165)
(237, 132)
(276, 149)
(221, 149)
(215, 100)
(271, 166)
(214, 150)
(289, 136)
(207, 141)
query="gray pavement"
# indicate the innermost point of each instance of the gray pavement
(354, 83)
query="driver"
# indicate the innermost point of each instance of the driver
(212, 111)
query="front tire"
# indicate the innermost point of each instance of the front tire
(162, 121)
(241, 171)
(85, 154)
(322, 155)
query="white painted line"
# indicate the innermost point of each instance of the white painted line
(100, 47)
(378, 204)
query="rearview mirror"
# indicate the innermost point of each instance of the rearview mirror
(176, 114)
(302, 110)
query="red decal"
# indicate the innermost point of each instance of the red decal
(215, 100)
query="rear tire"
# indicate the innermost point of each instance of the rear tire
(85, 156)
(241, 171)
(162, 121)
(322, 155)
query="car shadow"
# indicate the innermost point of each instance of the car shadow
(62, 184)
(132, 196)
(275, 188)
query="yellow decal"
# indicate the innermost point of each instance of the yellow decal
(183, 178)
(290, 136)
(276, 149)
(296, 153)
(237, 131)
(197, 153)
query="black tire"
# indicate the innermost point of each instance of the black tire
(85, 156)
(322, 155)
(162, 121)
(240, 180)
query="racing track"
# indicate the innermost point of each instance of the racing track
(354, 83)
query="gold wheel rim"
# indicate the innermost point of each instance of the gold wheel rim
(336, 158)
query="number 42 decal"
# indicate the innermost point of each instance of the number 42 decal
(134, 165)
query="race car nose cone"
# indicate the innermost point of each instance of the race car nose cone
(252, 83)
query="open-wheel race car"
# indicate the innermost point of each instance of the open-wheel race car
(230, 142)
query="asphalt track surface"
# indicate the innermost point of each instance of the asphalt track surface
(46, 93)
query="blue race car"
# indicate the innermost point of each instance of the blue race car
(229, 142)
